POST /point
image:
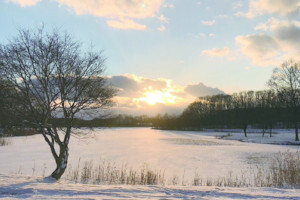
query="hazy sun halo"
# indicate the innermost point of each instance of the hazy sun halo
(155, 97)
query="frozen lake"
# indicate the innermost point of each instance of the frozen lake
(176, 152)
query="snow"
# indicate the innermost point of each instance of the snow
(279, 136)
(176, 152)
(22, 187)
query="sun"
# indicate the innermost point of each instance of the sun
(155, 97)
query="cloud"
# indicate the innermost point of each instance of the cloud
(24, 3)
(200, 90)
(125, 24)
(163, 19)
(278, 7)
(262, 49)
(284, 31)
(139, 95)
(120, 13)
(168, 6)
(208, 23)
(216, 52)
(283, 42)
(212, 35)
(131, 85)
(161, 28)
(114, 8)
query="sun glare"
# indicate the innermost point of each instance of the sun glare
(155, 97)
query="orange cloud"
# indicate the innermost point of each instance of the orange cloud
(216, 52)
(139, 95)
(121, 12)
(24, 3)
(125, 24)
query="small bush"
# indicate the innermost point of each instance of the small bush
(4, 141)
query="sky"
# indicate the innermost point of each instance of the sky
(163, 54)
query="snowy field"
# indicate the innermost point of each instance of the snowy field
(177, 153)
(19, 187)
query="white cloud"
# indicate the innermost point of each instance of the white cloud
(283, 42)
(212, 35)
(216, 52)
(202, 34)
(163, 19)
(120, 13)
(208, 23)
(161, 28)
(125, 24)
(24, 3)
(114, 8)
(278, 7)
(262, 49)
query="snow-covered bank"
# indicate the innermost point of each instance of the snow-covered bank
(278, 137)
(18, 187)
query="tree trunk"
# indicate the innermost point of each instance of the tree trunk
(61, 162)
(296, 131)
(271, 130)
(245, 130)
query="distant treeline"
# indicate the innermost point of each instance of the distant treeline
(113, 121)
(261, 109)
(279, 106)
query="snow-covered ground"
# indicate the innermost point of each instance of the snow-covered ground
(278, 136)
(178, 153)
(22, 187)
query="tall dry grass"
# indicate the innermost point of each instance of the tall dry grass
(109, 173)
(4, 141)
(281, 170)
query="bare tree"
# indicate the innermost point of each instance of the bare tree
(243, 104)
(286, 81)
(55, 79)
